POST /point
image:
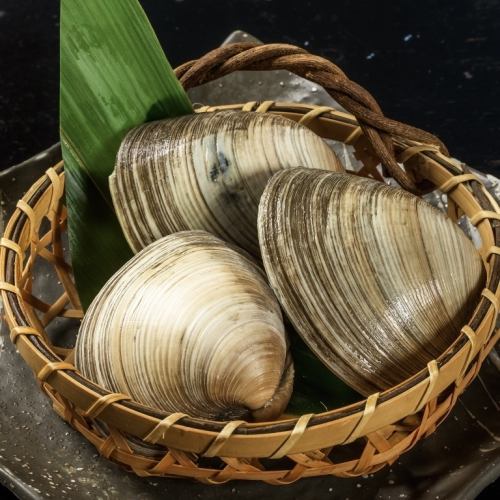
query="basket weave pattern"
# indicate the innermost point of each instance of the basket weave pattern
(354, 440)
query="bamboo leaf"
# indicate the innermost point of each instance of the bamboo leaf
(114, 76)
(315, 388)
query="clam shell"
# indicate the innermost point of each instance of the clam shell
(207, 171)
(376, 281)
(189, 324)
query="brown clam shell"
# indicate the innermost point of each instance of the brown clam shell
(376, 281)
(189, 325)
(207, 171)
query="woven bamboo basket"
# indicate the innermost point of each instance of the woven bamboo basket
(354, 440)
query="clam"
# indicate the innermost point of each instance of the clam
(207, 171)
(375, 280)
(189, 324)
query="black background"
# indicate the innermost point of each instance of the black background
(432, 64)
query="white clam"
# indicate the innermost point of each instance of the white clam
(377, 281)
(189, 324)
(207, 171)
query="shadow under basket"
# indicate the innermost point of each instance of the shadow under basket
(354, 440)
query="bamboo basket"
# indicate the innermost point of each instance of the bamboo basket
(354, 440)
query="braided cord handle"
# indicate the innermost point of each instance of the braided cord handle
(358, 101)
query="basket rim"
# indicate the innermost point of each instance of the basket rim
(485, 313)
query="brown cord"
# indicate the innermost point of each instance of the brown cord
(379, 129)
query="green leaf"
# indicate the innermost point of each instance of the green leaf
(114, 76)
(315, 388)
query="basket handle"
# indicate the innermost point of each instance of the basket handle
(379, 129)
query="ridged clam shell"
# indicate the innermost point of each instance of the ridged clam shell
(377, 281)
(189, 324)
(207, 171)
